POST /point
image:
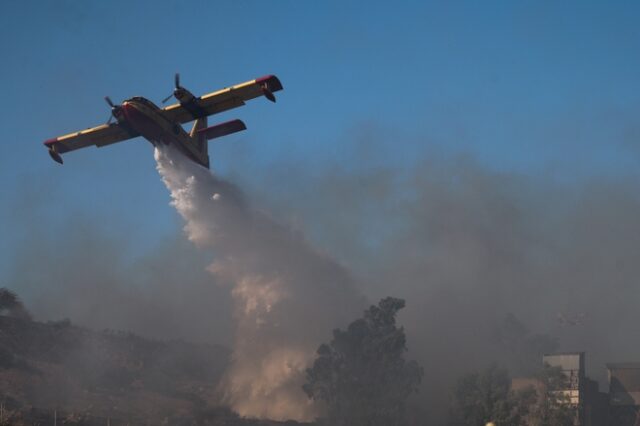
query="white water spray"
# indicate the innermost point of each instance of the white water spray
(287, 296)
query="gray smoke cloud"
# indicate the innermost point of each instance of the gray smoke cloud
(79, 267)
(287, 296)
(465, 245)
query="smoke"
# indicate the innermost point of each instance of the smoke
(465, 246)
(88, 268)
(287, 296)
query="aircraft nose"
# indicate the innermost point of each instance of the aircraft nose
(128, 109)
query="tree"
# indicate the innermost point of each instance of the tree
(554, 407)
(479, 398)
(361, 375)
(11, 306)
(486, 396)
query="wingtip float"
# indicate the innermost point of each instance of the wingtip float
(139, 116)
(53, 153)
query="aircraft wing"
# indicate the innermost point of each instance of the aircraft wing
(99, 136)
(225, 99)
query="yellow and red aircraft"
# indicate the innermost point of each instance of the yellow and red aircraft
(141, 117)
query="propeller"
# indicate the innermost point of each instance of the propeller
(177, 91)
(114, 109)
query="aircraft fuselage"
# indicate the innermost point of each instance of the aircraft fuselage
(145, 118)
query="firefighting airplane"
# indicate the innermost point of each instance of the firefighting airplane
(141, 117)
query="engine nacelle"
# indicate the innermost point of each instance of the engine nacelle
(183, 95)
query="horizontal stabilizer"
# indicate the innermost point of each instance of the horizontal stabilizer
(223, 129)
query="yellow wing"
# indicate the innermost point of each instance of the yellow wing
(105, 134)
(223, 100)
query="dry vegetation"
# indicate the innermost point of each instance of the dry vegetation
(93, 378)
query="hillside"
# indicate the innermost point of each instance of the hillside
(84, 377)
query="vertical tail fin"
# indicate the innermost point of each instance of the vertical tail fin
(198, 138)
(200, 134)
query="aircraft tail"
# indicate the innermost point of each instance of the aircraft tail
(200, 139)
(200, 134)
(222, 129)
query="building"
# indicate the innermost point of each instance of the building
(624, 393)
(574, 388)
(571, 388)
(619, 407)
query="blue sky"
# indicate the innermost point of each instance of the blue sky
(535, 87)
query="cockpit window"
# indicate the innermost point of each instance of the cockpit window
(144, 101)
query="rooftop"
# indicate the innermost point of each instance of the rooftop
(623, 365)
